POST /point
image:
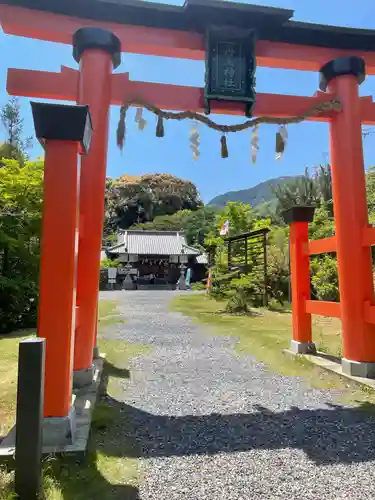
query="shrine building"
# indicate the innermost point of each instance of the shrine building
(160, 254)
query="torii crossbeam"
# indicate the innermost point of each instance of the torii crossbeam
(63, 86)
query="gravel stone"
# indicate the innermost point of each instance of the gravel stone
(211, 424)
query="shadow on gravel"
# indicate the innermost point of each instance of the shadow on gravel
(79, 476)
(332, 435)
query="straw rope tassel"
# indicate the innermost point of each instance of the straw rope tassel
(281, 139)
(254, 143)
(224, 146)
(281, 136)
(121, 128)
(139, 120)
(160, 127)
(194, 141)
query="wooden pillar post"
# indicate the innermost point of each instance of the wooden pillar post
(229, 254)
(98, 52)
(299, 218)
(61, 129)
(265, 269)
(343, 76)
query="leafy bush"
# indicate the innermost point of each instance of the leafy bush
(221, 283)
(198, 286)
(19, 299)
(323, 225)
(105, 263)
(324, 278)
(244, 292)
(238, 303)
(21, 186)
(302, 190)
(277, 273)
(307, 189)
(278, 264)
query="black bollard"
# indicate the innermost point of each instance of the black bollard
(30, 400)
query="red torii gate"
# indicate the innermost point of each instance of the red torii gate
(100, 30)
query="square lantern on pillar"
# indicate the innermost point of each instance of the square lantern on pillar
(230, 67)
(62, 122)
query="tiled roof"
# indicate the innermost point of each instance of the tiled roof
(152, 243)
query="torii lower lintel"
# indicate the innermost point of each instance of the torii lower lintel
(63, 86)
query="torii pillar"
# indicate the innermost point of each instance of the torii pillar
(98, 52)
(342, 78)
(64, 131)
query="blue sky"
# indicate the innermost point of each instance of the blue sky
(308, 142)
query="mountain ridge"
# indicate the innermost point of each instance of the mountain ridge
(255, 195)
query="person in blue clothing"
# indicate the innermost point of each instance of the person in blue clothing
(188, 277)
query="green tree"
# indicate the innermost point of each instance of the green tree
(323, 225)
(195, 224)
(269, 210)
(199, 223)
(21, 196)
(324, 278)
(15, 146)
(241, 217)
(106, 263)
(134, 200)
(172, 222)
(324, 275)
(278, 271)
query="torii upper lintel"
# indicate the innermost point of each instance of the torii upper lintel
(170, 31)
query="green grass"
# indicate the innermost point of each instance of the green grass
(8, 378)
(327, 335)
(109, 469)
(106, 308)
(265, 334)
(108, 314)
(111, 320)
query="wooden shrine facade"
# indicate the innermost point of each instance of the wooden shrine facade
(155, 258)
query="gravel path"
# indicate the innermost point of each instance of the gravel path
(213, 425)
